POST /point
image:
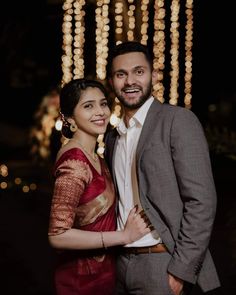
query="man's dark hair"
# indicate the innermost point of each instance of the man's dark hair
(127, 47)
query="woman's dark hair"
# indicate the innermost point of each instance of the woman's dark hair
(127, 47)
(69, 97)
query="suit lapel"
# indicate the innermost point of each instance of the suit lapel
(150, 121)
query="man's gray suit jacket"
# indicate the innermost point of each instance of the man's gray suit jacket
(176, 188)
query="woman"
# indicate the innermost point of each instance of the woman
(82, 219)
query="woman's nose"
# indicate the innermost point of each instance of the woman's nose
(100, 111)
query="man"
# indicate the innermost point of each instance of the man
(159, 159)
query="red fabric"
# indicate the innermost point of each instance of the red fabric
(78, 188)
(70, 282)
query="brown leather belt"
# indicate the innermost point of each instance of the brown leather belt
(159, 248)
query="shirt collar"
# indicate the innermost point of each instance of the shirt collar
(138, 118)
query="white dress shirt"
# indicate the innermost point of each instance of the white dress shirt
(125, 172)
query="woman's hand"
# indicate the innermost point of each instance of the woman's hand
(136, 227)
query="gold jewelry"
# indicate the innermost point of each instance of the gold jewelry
(73, 128)
(93, 156)
(102, 238)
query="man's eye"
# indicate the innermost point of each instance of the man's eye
(139, 72)
(120, 75)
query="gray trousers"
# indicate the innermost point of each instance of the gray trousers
(143, 274)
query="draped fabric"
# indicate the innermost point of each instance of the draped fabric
(82, 199)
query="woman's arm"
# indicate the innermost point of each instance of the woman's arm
(76, 239)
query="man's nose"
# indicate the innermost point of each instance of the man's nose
(129, 79)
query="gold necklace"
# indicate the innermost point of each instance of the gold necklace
(92, 156)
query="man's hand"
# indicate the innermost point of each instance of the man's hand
(176, 284)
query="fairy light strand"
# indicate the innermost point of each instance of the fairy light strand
(79, 40)
(145, 19)
(188, 53)
(174, 51)
(67, 40)
(118, 21)
(73, 40)
(102, 34)
(159, 48)
(131, 20)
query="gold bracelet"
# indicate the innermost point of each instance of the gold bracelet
(103, 244)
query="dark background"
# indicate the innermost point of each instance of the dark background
(30, 65)
(30, 54)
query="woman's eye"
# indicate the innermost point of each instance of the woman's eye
(88, 106)
(104, 104)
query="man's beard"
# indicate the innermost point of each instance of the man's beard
(142, 99)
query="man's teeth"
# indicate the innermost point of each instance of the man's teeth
(131, 90)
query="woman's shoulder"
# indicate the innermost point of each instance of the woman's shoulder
(69, 152)
(71, 161)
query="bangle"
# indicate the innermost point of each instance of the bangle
(103, 244)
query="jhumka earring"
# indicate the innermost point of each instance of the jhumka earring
(73, 128)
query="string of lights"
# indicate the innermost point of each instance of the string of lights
(159, 48)
(145, 18)
(79, 40)
(131, 20)
(73, 40)
(174, 51)
(67, 42)
(118, 21)
(188, 53)
(102, 34)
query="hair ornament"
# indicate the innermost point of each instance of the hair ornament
(64, 121)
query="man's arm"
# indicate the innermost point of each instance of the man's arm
(194, 175)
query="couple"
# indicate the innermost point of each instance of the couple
(153, 239)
